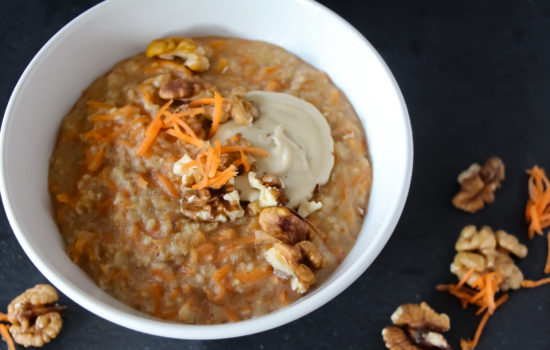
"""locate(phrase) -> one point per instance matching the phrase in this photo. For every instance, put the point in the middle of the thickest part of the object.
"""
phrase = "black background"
(475, 77)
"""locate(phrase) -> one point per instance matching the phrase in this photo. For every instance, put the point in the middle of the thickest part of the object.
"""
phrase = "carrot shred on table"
(483, 295)
(547, 265)
(533, 284)
(6, 336)
(218, 101)
(3, 317)
(537, 209)
(471, 344)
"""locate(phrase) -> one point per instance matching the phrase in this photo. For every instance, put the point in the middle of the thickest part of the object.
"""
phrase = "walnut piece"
(179, 88)
(195, 57)
(285, 260)
(206, 204)
(270, 191)
(243, 112)
(418, 327)
(285, 225)
(478, 185)
(307, 208)
(486, 251)
(310, 253)
(35, 317)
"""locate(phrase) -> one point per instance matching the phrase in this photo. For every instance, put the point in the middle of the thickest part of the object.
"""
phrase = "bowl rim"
(265, 322)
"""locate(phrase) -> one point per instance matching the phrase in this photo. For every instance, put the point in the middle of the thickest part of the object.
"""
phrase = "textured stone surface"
(476, 81)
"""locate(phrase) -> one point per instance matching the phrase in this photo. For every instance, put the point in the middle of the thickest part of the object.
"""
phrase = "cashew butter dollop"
(298, 140)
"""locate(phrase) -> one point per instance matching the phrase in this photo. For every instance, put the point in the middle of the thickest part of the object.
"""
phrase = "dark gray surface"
(476, 81)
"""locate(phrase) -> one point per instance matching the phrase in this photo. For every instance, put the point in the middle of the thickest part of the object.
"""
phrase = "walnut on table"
(417, 326)
(486, 251)
(478, 185)
(35, 317)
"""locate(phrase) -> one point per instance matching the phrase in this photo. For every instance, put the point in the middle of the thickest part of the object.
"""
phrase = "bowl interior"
(92, 43)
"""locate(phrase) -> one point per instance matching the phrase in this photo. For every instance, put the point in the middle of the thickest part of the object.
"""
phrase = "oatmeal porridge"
(210, 180)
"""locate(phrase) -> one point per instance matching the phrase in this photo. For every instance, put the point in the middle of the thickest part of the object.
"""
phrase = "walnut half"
(285, 260)
(35, 316)
(486, 251)
(417, 326)
(478, 185)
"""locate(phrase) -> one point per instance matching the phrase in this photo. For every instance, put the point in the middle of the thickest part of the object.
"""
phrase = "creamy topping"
(298, 140)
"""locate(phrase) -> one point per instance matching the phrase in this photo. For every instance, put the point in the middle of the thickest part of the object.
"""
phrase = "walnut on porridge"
(478, 185)
(416, 327)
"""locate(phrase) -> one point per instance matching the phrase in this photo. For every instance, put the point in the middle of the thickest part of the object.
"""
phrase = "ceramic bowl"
(90, 44)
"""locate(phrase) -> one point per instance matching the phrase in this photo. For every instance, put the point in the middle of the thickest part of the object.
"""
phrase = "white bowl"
(89, 45)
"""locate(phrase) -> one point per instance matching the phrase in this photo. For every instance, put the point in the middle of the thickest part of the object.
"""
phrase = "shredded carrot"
(273, 86)
(537, 210)
(3, 317)
(230, 314)
(157, 297)
(182, 123)
(94, 161)
(153, 130)
(218, 101)
(335, 97)
(217, 43)
(202, 101)
(102, 117)
(6, 336)
(245, 161)
(166, 184)
(222, 178)
(547, 266)
(216, 160)
(64, 198)
(254, 275)
(533, 284)
(271, 69)
(483, 296)
(465, 277)
(467, 344)
(176, 132)
(98, 105)
(229, 149)
(217, 277)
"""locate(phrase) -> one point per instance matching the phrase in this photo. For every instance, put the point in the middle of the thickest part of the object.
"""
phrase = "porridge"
(210, 180)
